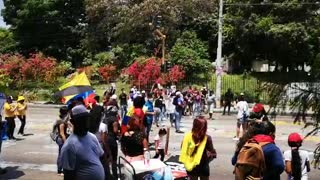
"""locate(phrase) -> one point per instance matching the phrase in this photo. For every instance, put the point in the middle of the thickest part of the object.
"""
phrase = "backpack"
(175, 101)
(251, 163)
(55, 131)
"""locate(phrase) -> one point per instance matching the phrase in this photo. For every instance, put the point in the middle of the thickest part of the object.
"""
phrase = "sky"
(2, 24)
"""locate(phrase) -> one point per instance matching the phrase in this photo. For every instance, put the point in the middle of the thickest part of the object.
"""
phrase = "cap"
(79, 110)
(178, 93)
(295, 137)
(21, 98)
(242, 94)
(113, 97)
(9, 98)
(143, 91)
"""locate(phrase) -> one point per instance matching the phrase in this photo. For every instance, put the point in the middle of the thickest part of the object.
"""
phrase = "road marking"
(42, 153)
(41, 167)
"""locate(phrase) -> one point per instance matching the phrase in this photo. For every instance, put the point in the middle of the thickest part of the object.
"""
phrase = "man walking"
(228, 98)
(123, 98)
(179, 103)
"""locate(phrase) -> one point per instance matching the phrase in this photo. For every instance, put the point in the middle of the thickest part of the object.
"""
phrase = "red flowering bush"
(145, 71)
(148, 71)
(37, 68)
(176, 74)
(108, 72)
(12, 65)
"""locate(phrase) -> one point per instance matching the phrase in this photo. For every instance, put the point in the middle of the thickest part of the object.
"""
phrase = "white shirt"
(304, 155)
(242, 107)
(102, 129)
(161, 141)
(169, 106)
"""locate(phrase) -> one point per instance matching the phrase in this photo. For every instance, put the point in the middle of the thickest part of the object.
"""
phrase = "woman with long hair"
(197, 150)
(297, 161)
(263, 132)
(134, 141)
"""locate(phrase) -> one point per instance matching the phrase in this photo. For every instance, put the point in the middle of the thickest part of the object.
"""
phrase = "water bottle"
(147, 158)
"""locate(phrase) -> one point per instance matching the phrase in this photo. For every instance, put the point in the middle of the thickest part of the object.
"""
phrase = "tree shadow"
(12, 173)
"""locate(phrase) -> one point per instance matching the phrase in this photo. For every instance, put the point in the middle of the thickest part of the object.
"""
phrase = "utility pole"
(219, 56)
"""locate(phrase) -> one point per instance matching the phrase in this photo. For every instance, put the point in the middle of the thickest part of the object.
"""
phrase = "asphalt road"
(34, 156)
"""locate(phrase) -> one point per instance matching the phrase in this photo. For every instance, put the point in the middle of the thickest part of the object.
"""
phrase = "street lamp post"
(219, 56)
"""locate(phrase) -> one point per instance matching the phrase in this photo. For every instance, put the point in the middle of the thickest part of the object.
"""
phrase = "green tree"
(192, 54)
(125, 24)
(283, 32)
(55, 27)
(7, 43)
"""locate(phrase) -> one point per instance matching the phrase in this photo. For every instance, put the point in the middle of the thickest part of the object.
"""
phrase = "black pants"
(23, 124)
(113, 145)
(161, 153)
(227, 104)
(11, 125)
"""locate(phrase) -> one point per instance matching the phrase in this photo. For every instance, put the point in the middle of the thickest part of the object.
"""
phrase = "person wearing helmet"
(21, 113)
(296, 160)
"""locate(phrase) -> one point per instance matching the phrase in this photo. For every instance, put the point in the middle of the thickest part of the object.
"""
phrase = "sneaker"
(235, 138)
(60, 174)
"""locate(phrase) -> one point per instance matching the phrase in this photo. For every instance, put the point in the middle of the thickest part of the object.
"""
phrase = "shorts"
(242, 122)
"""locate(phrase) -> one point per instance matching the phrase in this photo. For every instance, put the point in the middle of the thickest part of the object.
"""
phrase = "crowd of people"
(88, 134)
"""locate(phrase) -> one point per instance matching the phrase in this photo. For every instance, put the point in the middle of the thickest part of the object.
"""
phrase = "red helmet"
(295, 138)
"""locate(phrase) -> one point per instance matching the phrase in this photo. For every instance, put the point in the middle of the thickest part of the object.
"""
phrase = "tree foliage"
(192, 54)
(54, 27)
(282, 32)
(7, 43)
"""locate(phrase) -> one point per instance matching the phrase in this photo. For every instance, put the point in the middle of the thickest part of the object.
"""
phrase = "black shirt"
(228, 96)
(95, 118)
(132, 144)
(123, 99)
(158, 103)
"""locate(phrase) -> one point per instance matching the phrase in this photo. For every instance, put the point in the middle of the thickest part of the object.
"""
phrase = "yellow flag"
(78, 80)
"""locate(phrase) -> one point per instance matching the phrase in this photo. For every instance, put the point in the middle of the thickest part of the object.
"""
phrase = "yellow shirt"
(21, 109)
(9, 110)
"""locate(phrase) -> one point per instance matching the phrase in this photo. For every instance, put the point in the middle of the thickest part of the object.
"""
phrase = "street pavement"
(34, 156)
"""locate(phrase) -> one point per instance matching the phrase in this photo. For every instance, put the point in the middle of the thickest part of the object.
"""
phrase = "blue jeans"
(124, 110)
(178, 116)
(59, 162)
(197, 109)
(148, 129)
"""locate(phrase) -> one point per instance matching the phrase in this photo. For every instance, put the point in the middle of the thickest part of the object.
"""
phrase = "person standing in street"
(197, 151)
(296, 160)
(149, 115)
(2, 102)
(228, 98)
(9, 111)
(242, 117)
(211, 103)
(123, 98)
(179, 103)
(62, 126)
(81, 153)
(21, 113)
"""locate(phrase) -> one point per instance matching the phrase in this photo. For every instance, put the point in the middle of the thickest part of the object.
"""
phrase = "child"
(160, 143)
(297, 161)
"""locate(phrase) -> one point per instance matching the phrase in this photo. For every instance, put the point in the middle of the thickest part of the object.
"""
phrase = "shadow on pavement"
(12, 173)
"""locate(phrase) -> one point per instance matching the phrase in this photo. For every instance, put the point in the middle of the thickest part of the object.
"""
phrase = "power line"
(270, 4)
